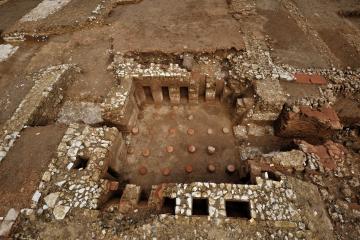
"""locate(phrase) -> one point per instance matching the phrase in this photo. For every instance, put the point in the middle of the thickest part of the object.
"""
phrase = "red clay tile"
(146, 152)
(309, 79)
(326, 114)
(190, 131)
(113, 186)
(231, 168)
(211, 168)
(166, 171)
(302, 78)
(142, 170)
(189, 168)
(317, 79)
(169, 149)
(191, 148)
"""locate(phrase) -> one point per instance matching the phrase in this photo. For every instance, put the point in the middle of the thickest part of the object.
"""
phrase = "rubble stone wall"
(39, 105)
(64, 185)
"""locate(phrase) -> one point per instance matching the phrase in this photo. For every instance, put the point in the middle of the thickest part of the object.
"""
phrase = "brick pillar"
(219, 87)
(174, 93)
(140, 95)
(130, 198)
(156, 198)
(193, 92)
(226, 94)
(198, 80)
(210, 89)
(157, 94)
(217, 208)
(183, 206)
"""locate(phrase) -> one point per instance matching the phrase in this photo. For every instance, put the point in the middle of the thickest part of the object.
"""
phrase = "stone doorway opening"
(148, 94)
(166, 95)
(200, 206)
(184, 95)
(238, 209)
(80, 163)
(168, 206)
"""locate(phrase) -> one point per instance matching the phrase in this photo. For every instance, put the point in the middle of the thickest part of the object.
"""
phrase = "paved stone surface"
(44, 9)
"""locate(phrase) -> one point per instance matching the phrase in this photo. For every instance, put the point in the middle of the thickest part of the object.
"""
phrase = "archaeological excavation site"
(180, 119)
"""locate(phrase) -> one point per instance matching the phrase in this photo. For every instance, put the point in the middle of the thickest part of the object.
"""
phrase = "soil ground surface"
(32, 153)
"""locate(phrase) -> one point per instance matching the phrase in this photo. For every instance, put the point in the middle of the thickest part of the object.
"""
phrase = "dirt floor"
(156, 126)
(175, 27)
(32, 154)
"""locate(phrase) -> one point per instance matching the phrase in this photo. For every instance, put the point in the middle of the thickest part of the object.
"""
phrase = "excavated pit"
(184, 116)
(167, 132)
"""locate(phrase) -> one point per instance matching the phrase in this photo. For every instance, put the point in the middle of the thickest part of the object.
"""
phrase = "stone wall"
(69, 183)
(40, 105)
(268, 200)
(204, 80)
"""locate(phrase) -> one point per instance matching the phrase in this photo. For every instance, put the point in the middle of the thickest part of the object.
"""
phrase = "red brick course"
(310, 79)
(329, 153)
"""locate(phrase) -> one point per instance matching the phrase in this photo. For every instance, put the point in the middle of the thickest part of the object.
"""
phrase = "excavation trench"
(179, 130)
